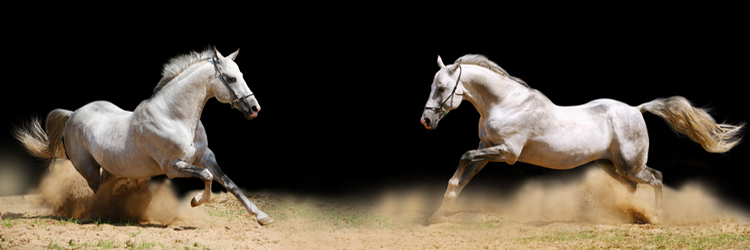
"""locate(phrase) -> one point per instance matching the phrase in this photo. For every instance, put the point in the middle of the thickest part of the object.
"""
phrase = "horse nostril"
(426, 121)
(255, 108)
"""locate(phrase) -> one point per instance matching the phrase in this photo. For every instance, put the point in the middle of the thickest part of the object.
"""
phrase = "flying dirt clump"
(66, 192)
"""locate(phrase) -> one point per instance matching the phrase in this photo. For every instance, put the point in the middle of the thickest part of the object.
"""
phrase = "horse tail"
(45, 145)
(695, 123)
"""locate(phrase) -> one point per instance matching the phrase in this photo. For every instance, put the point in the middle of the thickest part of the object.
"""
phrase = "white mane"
(177, 64)
(482, 61)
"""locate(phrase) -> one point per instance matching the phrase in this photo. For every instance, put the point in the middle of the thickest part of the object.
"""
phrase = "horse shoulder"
(517, 120)
(511, 128)
(164, 139)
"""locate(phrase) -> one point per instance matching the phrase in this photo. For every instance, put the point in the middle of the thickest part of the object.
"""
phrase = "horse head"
(445, 88)
(230, 87)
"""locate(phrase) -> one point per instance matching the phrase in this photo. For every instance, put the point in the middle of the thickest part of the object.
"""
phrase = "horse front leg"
(209, 161)
(182, 169)
(471, 163)
(462, 176)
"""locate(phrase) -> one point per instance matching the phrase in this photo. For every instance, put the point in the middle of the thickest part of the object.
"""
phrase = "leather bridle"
(226, 80)
(441, 110)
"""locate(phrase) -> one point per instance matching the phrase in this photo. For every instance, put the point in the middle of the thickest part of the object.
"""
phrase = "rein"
(224, 79)
(441, 110)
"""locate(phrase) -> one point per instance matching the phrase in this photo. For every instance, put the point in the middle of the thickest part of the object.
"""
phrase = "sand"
(592, 211)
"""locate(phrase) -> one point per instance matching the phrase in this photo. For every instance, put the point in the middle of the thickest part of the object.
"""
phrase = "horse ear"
(217, 54)
(234, 54)
(440, 62)
(456, 65)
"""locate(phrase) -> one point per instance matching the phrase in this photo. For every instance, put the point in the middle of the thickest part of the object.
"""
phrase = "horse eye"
(229, 78)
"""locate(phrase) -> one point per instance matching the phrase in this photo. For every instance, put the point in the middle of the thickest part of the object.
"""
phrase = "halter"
(440, 110)
(224, 79)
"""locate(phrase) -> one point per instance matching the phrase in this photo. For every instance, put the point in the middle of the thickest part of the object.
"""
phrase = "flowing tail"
(45, 145)
(696, 123)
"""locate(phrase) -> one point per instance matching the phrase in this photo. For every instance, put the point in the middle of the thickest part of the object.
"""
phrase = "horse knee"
(182, 169)
(656, 179)
(651, 177)
(206, 175)
(453, 182)
(657, 174)
(467, 157)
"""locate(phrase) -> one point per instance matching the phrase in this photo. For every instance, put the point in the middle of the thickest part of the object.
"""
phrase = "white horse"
(164, 135)
(518, 123)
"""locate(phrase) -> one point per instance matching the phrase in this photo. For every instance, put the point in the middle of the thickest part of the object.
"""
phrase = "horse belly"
(130, 164)
(567, 149)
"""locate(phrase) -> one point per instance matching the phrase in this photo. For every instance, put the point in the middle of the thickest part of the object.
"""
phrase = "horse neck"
(185, 96)
(487, 90)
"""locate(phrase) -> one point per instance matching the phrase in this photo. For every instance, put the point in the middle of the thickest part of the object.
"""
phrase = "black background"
(342, 94)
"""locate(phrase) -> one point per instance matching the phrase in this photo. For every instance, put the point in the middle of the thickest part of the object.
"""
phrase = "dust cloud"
(13, 180)
(593, 198)
(67, 194)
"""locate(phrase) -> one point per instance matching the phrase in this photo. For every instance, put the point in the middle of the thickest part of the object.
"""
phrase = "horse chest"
(496, 130)
(172, 140)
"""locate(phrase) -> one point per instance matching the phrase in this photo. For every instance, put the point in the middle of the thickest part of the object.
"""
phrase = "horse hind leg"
(89, 169)
(610, 169)
(653, 178)
(81, 158)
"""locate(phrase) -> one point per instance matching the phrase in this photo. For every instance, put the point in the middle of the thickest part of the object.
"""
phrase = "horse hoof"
(265, 220)
(437, 217)
(194, 201)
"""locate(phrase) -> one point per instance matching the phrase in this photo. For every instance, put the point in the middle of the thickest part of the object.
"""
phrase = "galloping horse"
(163, 135)
(518, 123)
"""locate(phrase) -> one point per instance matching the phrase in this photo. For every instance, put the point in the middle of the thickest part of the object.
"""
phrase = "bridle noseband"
(224, 79)
(441, 110)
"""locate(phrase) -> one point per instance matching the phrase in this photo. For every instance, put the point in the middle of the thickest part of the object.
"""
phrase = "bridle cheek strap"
(441, 110)
(223, 78)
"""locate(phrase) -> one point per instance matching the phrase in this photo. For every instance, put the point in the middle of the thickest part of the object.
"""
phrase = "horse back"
(98, 119)
(570, 136)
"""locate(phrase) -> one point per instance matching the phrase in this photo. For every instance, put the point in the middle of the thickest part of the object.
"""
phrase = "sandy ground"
(593, 212)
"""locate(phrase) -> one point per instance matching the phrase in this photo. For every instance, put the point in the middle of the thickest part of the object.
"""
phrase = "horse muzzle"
(249, 107)
(252, 113)
(430, 119)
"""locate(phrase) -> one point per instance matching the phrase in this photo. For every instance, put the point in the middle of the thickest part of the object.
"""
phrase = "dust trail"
(66, 192)
(593, 198)
(13, 180)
